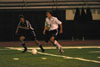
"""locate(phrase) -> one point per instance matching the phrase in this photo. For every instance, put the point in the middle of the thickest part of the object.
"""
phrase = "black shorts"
(49, 34)
(28, 34)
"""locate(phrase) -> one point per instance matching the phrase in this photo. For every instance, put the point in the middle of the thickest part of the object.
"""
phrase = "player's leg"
(33, 36)
(22, 38)
(59, 46)
(47, 37)
(40, 45)
(55, 43)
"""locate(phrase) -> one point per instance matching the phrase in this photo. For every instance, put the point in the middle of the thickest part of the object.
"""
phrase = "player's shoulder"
(27, 20)
(54, 17)
(46, 18)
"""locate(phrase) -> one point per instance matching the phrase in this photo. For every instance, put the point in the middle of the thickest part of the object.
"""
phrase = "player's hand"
(16, 31)
(43, 32)
(20, 27)
(61, 31)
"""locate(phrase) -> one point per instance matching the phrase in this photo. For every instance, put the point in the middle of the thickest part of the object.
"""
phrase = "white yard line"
(61, 56)
(94, 52)
(68, 47)
(68, 57)
(4, 49)
(98, 57)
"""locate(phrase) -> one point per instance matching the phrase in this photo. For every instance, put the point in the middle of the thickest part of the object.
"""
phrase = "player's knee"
(37, 42)
(22, 38)
(52, 39)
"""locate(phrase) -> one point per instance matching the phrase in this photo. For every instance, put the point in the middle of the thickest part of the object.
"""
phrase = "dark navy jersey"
(26, 24)
(25, 32)
(23, 24)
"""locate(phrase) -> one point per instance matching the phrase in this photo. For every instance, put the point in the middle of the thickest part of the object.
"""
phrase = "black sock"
(41, 48)
(25, 48)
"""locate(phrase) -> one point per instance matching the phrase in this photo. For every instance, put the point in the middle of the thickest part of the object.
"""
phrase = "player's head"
(49, 14)
(22, 18)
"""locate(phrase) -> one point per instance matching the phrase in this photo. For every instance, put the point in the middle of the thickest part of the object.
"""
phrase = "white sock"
(57, 44)
(23, 42)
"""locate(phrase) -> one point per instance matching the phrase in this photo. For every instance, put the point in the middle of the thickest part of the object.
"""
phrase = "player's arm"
(45, 28)
(60, 23)
(17, 28)
(26, 28)
(30, 26)
(61, 31)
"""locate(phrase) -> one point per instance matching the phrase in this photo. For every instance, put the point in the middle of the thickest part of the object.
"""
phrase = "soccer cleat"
(60, 50)
(25, 48)
(24, 51)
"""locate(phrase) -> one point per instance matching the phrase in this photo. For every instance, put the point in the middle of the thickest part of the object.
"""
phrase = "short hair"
(50, 11)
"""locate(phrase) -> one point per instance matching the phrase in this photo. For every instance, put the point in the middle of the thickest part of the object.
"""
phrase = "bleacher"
(48, 4)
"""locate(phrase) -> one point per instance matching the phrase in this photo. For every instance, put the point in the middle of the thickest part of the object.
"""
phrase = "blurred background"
(80, 18)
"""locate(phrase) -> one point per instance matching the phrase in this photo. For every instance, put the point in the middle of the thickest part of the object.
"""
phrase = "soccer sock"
(41, 48)
(25, 48)
(55, 43)
(59, 47)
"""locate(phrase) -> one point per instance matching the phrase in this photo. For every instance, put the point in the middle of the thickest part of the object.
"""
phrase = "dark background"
(82, 25)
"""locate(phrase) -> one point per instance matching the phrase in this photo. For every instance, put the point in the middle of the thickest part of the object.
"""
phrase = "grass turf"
(29, 60)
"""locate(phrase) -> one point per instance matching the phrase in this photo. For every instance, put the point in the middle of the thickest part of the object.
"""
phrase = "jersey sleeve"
(19, 24)
(46, 23)
(29, 25)
(58, 21)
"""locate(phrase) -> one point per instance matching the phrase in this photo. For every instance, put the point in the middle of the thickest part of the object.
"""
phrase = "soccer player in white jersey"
(24, 30)
(51, 30)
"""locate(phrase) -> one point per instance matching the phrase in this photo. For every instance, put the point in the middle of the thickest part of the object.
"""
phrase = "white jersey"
(52, 23)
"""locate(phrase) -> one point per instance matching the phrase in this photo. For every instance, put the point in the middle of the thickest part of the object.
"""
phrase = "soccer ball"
(34, 51)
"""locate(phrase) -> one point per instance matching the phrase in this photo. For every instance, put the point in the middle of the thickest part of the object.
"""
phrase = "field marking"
(43, 58)
(15, 58)
(94, 52)
(68, 57)
(98, 57)
(4, 49)
(68, 47)
(61, 56)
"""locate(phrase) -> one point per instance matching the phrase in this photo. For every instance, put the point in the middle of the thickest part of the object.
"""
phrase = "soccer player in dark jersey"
(24, 30)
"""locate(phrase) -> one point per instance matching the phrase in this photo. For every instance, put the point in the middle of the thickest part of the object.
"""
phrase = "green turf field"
(72, 57)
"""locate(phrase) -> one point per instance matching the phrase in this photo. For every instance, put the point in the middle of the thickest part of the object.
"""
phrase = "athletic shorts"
(28, 34)
(49, 34)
